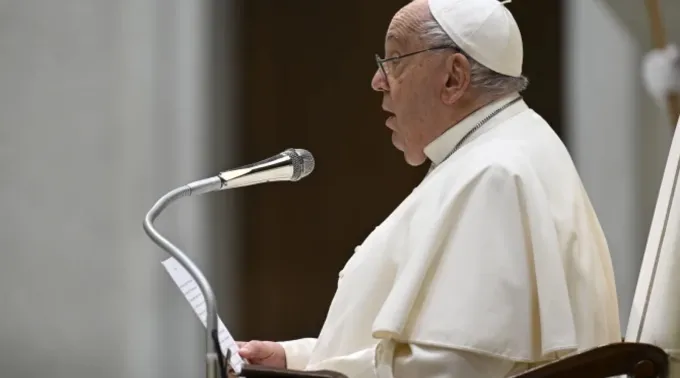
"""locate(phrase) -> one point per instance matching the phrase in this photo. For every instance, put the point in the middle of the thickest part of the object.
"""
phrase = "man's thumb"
(250, 350)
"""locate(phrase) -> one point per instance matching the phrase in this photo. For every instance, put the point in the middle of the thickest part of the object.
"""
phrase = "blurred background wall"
(618, 137)
(107, 105)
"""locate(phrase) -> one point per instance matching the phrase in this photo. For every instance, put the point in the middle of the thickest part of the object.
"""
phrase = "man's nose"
(378, 83)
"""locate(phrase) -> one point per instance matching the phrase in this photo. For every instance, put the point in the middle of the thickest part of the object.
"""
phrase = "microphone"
(290, 165)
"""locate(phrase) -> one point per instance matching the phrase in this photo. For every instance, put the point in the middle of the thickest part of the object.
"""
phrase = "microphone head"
(302, 160)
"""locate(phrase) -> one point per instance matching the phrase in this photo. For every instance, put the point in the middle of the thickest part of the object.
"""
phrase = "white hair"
(482, 78)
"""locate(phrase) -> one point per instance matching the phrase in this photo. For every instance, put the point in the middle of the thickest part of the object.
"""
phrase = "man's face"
(409, 93)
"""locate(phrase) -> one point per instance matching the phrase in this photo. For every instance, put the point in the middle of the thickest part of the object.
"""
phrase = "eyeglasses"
(381, 61)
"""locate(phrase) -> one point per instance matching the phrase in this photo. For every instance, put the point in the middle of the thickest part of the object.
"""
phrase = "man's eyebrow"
(392, 42)
(392, 37)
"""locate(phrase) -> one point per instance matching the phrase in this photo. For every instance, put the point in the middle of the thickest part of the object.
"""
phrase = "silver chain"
(472, 131)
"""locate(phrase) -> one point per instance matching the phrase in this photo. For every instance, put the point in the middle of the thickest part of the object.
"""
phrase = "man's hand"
(265, 353)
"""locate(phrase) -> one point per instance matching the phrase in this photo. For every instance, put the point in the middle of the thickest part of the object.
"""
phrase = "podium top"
(254, 371)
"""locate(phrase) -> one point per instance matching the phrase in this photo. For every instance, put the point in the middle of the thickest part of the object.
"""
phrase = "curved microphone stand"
(290, 165)
(198, 187)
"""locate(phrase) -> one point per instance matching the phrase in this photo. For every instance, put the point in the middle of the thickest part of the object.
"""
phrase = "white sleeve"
(411, 360)
(298, 352)
(428, 362)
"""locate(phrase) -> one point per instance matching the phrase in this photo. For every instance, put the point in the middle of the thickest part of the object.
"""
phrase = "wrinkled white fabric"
(408, 361)
(497, 254)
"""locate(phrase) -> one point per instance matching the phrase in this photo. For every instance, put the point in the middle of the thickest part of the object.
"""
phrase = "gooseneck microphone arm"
(290, 165)
(198, 187)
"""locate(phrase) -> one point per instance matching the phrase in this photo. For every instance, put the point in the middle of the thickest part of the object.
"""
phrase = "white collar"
(440, 148)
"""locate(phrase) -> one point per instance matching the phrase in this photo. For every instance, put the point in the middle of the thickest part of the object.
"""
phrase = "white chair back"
(655, 313)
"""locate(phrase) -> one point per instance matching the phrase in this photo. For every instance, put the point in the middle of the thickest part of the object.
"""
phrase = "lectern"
(253, 371)
(636, 360)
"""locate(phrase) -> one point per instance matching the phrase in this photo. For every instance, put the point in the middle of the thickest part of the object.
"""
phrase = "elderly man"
(496, 262)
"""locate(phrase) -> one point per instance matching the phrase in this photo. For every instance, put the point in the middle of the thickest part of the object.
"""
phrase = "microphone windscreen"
(302, 161)
(308, 163)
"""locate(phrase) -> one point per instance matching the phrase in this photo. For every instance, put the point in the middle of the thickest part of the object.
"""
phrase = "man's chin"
(414, 161)
(410, 159)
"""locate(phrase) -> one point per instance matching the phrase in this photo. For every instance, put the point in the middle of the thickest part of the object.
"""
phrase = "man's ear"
(457, 78)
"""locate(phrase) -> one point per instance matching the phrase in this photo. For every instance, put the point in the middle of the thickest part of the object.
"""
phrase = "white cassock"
(495, 263)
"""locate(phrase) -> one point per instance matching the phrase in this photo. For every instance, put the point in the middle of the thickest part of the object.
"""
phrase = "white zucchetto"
(483, 29)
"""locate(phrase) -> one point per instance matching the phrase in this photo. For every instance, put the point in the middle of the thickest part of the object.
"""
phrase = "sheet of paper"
(193, 294)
